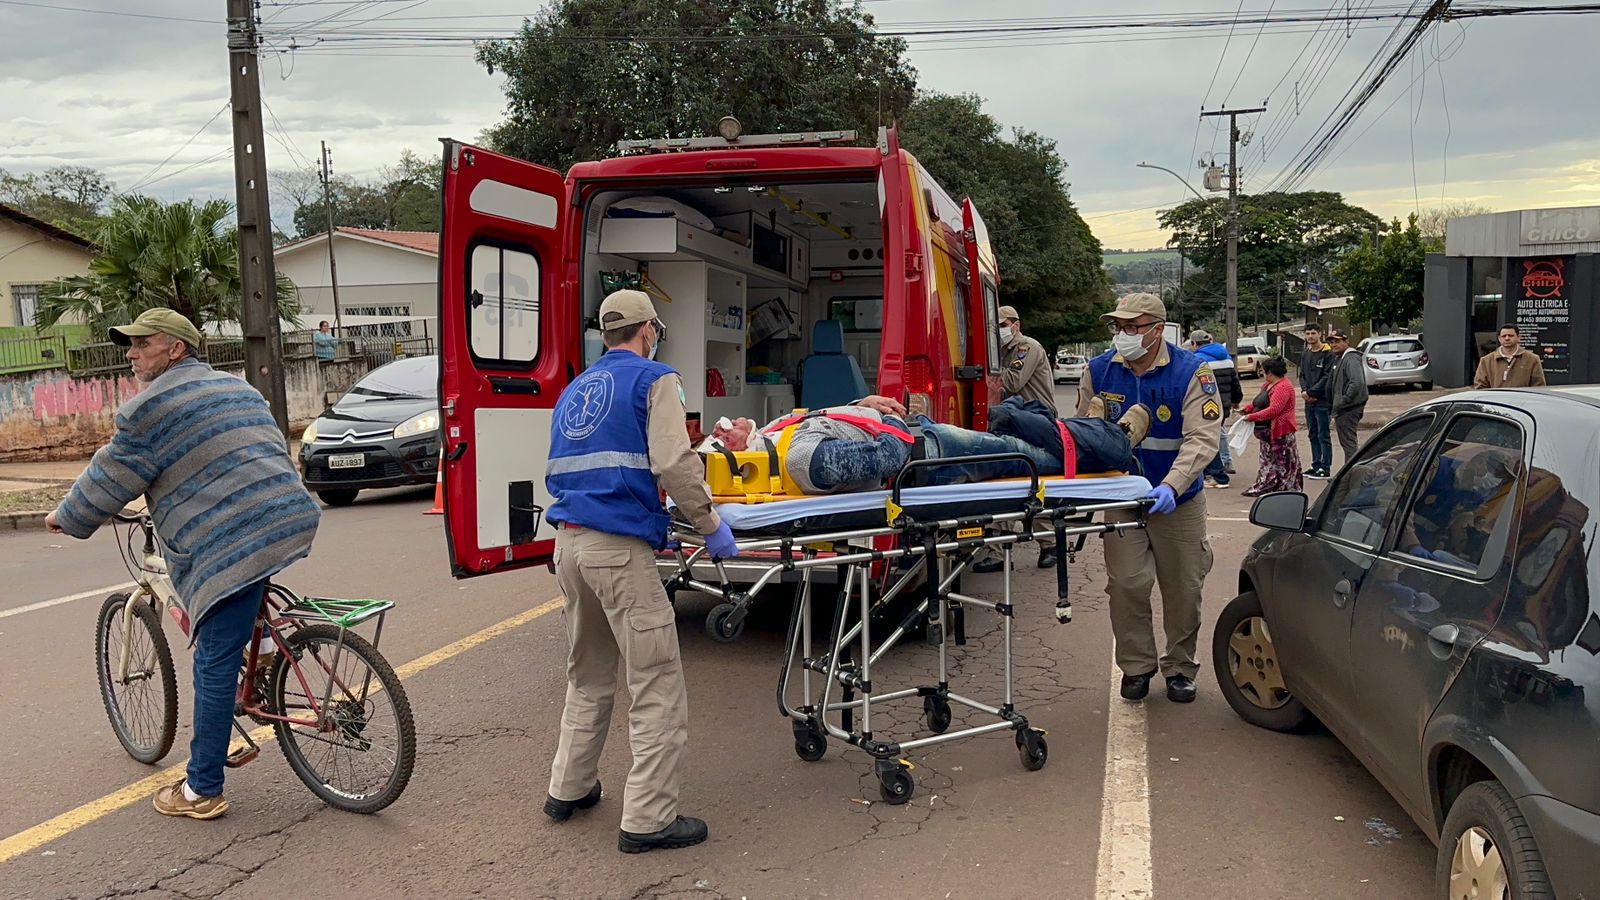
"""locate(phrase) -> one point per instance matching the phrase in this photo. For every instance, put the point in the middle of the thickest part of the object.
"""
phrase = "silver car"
(1395, 359)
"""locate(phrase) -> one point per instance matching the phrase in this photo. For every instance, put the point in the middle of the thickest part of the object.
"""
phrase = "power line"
(145, 180)
(107, 12)
(1251, 52)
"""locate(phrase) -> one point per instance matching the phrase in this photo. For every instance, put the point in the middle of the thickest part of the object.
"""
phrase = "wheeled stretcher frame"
(940, 549)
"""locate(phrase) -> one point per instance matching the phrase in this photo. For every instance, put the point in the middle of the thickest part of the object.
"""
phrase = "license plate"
(1396, 364)
(347, 461)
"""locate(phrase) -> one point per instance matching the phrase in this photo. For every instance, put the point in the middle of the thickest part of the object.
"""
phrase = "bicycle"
(318, 719)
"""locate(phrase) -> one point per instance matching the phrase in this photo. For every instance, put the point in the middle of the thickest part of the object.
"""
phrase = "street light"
(1145, 165)
(1202, 199)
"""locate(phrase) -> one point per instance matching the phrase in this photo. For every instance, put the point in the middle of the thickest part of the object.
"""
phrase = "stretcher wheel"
(936, 712)
(808, 745)
(1033, 749)
(718, 626)
(896, 785)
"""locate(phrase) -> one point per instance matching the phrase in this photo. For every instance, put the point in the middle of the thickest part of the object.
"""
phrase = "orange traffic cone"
(438, 489)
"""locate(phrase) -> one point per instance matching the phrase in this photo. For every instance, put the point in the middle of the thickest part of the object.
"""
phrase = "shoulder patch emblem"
(1208, 381)
(1211, 410)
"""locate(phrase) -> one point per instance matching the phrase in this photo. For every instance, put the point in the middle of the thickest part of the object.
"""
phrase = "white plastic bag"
(1239, 434)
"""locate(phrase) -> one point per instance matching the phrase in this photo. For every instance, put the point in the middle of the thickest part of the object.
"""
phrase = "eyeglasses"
(1124, 328)
(661, 329)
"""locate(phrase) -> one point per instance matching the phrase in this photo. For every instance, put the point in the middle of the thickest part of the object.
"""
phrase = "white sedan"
(1069, 368)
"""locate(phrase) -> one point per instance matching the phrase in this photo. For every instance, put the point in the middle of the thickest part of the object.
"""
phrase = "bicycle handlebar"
(135, 519)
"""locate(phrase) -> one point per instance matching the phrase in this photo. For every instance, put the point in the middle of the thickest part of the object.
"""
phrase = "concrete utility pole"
(1233, 217)
(327, 204)
(263, 345)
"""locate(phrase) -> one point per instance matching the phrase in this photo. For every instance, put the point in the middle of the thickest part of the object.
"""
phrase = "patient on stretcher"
(861, 446)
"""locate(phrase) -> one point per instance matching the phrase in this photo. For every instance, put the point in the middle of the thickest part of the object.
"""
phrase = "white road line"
(1226, 519)
(1124, 868)
(46, 604)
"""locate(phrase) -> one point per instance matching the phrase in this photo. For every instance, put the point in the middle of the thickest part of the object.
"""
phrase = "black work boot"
(1135, 687)
(1047, 557)
(562, 810)
(683, 832)
(1180, 689)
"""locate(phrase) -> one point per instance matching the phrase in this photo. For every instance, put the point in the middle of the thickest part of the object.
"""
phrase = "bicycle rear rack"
(343, 613)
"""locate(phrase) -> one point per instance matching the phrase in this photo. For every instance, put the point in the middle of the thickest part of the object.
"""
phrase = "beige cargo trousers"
(1174, 552)
(617, 610)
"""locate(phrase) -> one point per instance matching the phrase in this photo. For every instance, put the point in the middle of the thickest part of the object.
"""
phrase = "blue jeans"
(218, 656)
(945, 441)
(1317, 416)
(840, 464)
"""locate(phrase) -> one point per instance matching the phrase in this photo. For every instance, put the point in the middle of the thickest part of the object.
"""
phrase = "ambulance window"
(503, 305)
(991, 313)
(963, 299)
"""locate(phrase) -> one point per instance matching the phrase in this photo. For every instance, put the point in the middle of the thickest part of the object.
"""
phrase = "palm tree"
(184, 256)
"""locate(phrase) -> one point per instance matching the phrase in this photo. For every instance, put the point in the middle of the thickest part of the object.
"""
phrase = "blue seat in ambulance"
(828, 377)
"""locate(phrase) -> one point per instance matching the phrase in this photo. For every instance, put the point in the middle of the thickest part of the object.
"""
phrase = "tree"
(404, 197)
(1385, 282)
(1279, 235)
(69, 197)
(1433, 222)
(1050, 262)
(184, 256)
(584, 74)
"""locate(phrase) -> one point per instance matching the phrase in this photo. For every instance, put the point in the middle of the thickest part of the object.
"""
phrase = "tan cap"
(624, 308)
(158, 320)
(1009, 312)
(1135, 305)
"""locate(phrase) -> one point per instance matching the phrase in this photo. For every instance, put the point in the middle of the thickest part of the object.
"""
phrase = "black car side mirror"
(1284, 511)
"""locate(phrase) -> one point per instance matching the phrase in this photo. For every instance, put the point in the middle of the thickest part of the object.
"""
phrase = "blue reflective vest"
(1158, 389)
(599, 469)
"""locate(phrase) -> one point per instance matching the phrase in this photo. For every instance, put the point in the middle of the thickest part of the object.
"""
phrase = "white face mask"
(655, 345)
(1006, 334)
(1131, 346)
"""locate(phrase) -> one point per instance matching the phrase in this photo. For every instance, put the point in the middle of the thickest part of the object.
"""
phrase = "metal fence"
(26, 354)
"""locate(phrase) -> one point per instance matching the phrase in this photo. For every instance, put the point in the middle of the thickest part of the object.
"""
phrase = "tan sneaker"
(170, 801)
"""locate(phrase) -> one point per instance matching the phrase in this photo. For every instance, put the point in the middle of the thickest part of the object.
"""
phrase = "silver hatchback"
(1396, 359)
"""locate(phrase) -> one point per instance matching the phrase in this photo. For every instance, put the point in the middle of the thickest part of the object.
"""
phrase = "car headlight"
(310, 435)
(421, 423)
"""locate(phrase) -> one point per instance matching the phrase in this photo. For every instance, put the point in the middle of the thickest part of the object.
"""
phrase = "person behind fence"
(227, 502)
(864, 445)
(1174, 549)
(324, 344)
(1272, 413)
(617, 437)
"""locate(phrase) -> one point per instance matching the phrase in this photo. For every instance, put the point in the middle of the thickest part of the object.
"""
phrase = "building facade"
(1535, 268)
(33, 254)
(381, 273)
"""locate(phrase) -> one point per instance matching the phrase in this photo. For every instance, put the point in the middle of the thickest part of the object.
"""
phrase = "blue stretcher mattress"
(866, 508)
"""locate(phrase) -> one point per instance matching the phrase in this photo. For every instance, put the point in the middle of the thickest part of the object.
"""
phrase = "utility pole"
(1233, 217)
(263, 345)
(327, 204)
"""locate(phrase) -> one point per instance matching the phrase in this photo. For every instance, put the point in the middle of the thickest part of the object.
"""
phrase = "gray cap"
(1199, 336)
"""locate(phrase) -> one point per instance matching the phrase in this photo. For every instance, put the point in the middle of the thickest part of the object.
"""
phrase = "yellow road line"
(70, 821)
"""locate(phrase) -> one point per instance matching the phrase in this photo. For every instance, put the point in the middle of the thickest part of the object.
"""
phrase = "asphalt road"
(1200, 804)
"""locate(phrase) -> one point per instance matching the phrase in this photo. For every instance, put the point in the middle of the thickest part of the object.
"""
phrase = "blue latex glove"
(1420, 552)
(1165, 500)
(720, 542)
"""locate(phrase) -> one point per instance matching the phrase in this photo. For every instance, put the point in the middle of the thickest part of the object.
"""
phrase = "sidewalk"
(29, 490)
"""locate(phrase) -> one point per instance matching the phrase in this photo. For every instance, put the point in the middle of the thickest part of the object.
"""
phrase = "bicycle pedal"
(242, 756)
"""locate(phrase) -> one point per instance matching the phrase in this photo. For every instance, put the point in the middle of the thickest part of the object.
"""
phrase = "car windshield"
(1396, 347)
(403, 379)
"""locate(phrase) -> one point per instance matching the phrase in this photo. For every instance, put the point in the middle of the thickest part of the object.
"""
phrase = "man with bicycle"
(227, 503)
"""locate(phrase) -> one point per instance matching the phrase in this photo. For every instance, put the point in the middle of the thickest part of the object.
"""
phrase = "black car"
(384, 432)
(1439, 610)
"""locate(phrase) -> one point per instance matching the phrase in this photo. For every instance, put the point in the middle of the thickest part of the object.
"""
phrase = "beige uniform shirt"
(676, 466)
(1025, 371)
(1202, 417)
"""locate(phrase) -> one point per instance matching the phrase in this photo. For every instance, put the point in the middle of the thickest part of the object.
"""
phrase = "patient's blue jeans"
(839, 464)
(946, 441)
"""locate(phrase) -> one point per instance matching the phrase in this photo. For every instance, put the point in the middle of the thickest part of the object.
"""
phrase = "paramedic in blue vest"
(618, 436)
(1181, 395)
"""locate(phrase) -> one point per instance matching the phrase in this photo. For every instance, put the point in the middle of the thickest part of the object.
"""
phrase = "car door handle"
(1445, 634)
(1342, 588)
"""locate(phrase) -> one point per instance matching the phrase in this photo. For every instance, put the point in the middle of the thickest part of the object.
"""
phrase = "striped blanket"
(224, 495)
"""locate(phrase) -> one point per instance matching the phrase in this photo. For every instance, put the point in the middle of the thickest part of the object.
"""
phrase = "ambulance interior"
(772, 295)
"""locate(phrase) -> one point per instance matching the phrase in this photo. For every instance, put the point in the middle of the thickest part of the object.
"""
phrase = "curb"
(23, 521)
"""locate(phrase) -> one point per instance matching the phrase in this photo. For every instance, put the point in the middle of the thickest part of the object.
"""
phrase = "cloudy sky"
(1499, 112)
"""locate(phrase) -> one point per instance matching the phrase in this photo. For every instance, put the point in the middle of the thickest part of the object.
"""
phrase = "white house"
(34, 253)
(381, 273)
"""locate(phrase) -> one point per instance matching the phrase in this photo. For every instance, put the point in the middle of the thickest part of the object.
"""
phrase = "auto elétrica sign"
(1544, 312)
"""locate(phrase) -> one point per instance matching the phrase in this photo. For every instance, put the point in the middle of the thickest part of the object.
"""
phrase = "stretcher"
(905, 542)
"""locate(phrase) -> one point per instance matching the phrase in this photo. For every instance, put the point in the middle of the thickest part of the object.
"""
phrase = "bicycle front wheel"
(359, 756)
(141, 697)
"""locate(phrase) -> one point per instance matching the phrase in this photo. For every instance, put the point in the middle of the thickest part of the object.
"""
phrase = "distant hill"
(1141, 266)
(1128, 257)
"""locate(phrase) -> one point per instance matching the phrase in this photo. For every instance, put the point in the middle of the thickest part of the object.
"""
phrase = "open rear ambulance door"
(983, 298)
(508, 339)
